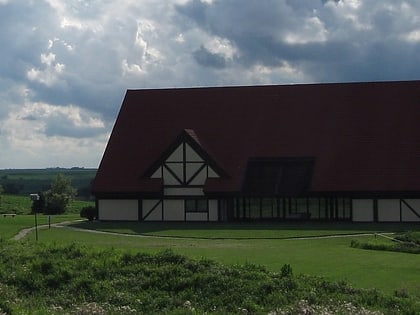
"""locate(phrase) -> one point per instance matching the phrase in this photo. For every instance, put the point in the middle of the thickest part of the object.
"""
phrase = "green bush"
(404, 247)
(89, 212)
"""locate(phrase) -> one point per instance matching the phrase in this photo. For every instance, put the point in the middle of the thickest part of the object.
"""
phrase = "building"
(347, 151)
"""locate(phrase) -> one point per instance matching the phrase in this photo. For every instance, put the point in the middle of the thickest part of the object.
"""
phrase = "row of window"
(196, 205)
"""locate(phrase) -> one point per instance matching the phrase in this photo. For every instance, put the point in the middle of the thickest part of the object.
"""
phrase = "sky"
(65, 65)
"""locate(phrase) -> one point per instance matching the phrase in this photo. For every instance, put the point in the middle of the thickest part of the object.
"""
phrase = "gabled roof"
(188, 136)
(363, 137)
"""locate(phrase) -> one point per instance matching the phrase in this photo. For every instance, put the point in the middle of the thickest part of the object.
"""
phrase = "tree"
(58, 197)
(1, 191)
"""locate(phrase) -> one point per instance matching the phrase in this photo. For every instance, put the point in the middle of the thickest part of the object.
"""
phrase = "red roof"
(364, 137)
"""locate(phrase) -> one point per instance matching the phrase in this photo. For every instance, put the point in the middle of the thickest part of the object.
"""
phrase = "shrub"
(89, 212)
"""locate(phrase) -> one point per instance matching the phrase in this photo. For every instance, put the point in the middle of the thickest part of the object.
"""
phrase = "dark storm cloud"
(66, 64)
(207, 59)
(363, 43)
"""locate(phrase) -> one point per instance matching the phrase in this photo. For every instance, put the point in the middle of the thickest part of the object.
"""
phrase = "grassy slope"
(67, 279)
(331, 258)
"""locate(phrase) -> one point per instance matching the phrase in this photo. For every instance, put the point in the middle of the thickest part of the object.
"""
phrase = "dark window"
(280, 176)
(196, 205)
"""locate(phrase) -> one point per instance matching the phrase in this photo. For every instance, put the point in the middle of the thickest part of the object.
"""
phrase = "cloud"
(205, 58)
(326, 40)
(66, 65)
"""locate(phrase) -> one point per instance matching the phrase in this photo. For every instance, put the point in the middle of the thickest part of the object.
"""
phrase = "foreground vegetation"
(408, 242)
(72, 279)
(331, 258)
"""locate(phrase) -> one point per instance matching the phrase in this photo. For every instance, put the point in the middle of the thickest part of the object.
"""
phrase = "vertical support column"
(375, 210)
(140, 209)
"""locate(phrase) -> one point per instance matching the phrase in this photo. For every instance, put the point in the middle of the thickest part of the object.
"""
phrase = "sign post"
(35, 198)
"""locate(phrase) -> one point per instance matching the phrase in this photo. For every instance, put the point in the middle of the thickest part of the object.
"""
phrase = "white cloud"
(312, 31)
(51, 72)
(66, 66)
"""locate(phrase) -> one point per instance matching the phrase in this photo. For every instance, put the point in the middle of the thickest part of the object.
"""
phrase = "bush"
(89, 212)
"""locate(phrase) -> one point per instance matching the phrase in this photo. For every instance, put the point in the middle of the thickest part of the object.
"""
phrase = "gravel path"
(24, 232)
(65, 224)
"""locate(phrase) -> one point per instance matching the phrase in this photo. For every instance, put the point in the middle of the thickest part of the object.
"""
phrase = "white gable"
(184, 167)
(191, 155)
(177, 155)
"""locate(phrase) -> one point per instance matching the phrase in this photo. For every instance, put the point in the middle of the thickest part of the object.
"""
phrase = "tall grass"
(72, 279)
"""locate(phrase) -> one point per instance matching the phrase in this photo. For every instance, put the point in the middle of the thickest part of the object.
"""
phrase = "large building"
(346, 151)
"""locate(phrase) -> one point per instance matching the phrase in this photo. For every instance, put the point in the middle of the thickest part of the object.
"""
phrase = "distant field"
(21, 204)
(26, 181)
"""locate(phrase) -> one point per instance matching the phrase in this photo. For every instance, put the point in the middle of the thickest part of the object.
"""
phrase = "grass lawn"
(10, 226)
(332, 258)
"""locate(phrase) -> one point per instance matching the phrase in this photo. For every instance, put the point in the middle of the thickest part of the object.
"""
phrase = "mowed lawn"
(269, 245)
(10, 226)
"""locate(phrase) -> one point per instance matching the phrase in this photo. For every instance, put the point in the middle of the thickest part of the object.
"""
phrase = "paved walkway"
(24, 232)
(65, 224)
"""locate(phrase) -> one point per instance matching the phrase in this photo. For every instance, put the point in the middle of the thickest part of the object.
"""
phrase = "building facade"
(335, 152)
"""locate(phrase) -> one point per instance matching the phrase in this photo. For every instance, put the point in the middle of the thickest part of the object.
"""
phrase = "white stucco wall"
(187, 191)
(173, 210)
(388, 210)
(406, 214)
(362, 210)
(156, 213)
(116, 209)
(213, 210)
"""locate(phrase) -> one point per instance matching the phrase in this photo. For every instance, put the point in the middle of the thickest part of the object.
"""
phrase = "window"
(278, 176)
(196, 205)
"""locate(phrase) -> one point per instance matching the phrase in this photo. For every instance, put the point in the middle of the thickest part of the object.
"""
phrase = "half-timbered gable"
(183, 170)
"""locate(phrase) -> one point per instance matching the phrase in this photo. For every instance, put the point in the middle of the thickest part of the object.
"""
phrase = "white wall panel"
(362, 210)
(116, 209)
(191, 155)
(388, 210)
(177, 155)
(173, 210)
(168, 178)
(407, 214)
(156, 213)
(213, 210)
(200, 179)
(193, 191)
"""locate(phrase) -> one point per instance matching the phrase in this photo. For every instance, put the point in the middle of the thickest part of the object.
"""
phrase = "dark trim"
(195, 174)
(183, 186)
(180, 181)
(140, 209)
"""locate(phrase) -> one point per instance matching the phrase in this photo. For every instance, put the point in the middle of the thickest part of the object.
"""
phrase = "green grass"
(332, 258)
(15, 204)
(10, 226)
